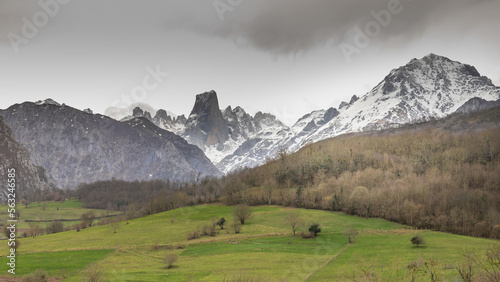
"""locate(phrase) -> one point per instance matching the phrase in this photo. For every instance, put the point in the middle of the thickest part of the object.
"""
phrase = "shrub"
(221, 222)
(315, 229)
(54, 227)
(204, 230)
(415, 268)
(242, 213)
(211, 228)
(38, 275)
(236, 227)
(417, 240)
(169, 260)
(94, 273)
(309, 235)
(193, 235)
(88, 218)
(351, 234)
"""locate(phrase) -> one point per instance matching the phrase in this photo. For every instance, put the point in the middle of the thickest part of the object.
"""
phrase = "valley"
(342, 195)
(264, 250)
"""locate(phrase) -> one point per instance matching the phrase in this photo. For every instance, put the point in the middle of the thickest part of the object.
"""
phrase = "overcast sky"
(286, 57)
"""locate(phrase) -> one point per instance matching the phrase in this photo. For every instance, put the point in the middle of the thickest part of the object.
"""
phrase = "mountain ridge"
(76, 147)
(431, 87)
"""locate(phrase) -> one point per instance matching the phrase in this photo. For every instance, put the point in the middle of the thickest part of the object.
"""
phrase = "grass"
(57, 264)
(51, 211)
(390, 253)
(263, 251)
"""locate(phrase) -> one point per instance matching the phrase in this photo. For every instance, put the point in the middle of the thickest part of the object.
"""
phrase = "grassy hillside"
(265, 250)
(440, 175)
(69, 211)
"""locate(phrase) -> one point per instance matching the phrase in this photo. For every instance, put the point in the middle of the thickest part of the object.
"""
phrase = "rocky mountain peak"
(206, 124)
(477, 104)
(330, 114)
(431, 87)
(162, 114)
(138, 112)
(205, 103)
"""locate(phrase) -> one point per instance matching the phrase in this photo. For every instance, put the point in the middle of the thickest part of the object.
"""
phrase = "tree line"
(433, 178)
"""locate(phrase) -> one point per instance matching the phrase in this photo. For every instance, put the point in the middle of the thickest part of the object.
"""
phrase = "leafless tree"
(242, 213)
(294, 220)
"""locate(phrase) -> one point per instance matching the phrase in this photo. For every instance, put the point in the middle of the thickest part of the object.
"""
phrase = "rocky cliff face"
(29, 178)
(77, 147)
(206, 125)
(477, 104)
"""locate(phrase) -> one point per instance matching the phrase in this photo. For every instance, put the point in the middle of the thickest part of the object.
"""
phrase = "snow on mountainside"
(218, 133)
(431, 87)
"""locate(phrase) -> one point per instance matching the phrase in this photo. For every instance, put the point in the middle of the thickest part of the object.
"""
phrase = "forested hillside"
(441, 175)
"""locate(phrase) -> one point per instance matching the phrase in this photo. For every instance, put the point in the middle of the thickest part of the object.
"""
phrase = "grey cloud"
(293, 26)
(274, 26)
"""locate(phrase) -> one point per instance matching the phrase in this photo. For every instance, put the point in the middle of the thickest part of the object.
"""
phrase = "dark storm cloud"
(274, 26)
(292, 26)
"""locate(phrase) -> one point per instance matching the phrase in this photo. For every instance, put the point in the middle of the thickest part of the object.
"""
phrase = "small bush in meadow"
(169, 260)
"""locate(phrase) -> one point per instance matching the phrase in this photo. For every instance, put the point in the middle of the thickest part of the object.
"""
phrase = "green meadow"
(264, 250)
(52, 211)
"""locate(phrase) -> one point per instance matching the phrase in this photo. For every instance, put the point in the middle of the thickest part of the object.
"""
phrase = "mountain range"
(427, 88)
(76, 146)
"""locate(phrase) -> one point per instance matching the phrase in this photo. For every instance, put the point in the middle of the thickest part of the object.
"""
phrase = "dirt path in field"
(328, 261)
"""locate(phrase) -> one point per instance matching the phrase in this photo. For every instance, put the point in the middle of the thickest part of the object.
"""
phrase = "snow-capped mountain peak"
(431, 87)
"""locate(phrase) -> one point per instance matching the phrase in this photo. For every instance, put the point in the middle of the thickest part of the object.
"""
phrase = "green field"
(265, 250)
(51, 211)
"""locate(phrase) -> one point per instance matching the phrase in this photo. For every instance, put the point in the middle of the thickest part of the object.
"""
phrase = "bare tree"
(467, 269)
(351, 234)
(433, 267)
(115, 224)
(54, 227)
(242, 213)
(88, 218)
(94, 273)
(415, 268)
(35, 229)
(492, 265)
(169, 260)
(363, 271)
(237, 227)
(294, 220)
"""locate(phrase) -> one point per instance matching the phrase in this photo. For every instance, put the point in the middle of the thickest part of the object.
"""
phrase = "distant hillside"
(441, 174)
(29, 178)
(79, 147)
